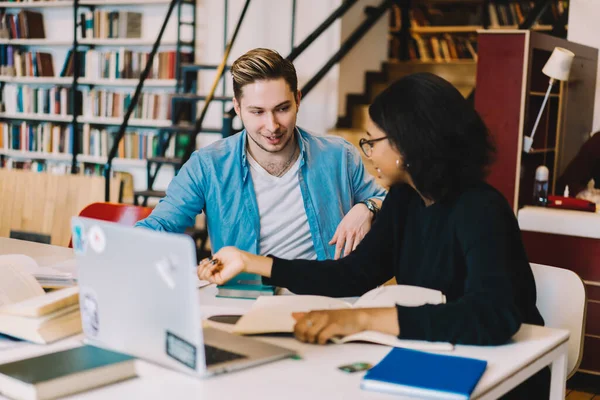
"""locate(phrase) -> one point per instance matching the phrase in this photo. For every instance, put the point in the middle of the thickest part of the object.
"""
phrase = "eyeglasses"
(367, 145)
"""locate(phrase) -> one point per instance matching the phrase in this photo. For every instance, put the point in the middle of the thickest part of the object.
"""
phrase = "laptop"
(138, 295)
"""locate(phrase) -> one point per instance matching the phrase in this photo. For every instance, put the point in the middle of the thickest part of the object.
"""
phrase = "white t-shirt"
(284, 229)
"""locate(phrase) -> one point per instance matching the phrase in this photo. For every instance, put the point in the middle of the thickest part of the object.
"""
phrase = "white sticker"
(88, 303)
(166, 270)
(97, 239)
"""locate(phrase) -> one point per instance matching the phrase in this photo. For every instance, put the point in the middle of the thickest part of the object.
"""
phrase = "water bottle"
(540, 186)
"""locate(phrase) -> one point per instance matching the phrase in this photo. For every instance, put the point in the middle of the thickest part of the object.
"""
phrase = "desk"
(316, 375)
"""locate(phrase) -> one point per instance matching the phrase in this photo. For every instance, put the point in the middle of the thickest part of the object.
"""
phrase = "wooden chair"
(124, 214)
(561, 300)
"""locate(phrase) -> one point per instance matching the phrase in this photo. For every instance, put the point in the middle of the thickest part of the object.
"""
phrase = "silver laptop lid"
(137, 292)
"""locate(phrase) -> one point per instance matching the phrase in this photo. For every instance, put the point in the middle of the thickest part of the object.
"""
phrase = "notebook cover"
(436, 372)
(246, 282)
(55, 365)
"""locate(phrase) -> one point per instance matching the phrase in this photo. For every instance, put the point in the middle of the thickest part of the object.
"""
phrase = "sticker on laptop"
(90, 320)
(181, 350)
(97, 239)
(79, 240)
(166, 268)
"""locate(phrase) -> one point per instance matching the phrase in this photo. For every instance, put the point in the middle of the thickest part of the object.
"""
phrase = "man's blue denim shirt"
(216, 179)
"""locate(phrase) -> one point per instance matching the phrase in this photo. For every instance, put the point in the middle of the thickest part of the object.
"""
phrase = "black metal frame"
(138, 90)
(211, 94)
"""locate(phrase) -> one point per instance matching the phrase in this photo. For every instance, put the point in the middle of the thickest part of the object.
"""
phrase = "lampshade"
(558, 65)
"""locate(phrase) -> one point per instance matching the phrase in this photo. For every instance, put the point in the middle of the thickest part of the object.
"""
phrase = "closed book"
(424, 375)
(65, 372)
(245, 286)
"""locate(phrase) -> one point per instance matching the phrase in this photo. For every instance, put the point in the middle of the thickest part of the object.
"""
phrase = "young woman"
(441, 227)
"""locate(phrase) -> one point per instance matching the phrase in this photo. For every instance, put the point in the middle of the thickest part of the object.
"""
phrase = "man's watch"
(372, 206)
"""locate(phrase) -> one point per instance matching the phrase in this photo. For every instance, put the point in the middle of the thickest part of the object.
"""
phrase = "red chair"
(124, 214)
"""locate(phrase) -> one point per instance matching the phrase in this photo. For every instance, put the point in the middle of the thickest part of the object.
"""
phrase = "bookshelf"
(98, 32)
(510, 91)
(446, 31)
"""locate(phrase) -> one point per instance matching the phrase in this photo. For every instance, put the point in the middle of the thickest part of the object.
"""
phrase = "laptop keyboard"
(214, 355)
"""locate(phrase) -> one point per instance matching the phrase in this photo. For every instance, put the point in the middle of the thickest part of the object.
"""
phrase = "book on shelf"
(273, 314)
(103, 24)
(442, 48)
(134, 145)
(14, 62)
(53, 101)
(424, 375)
(65, 372)
(114, 104)
(27, 24)
(123, 64)
(28, 313)
(41, 137)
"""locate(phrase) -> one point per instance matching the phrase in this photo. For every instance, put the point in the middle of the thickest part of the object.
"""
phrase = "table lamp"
(558, 68)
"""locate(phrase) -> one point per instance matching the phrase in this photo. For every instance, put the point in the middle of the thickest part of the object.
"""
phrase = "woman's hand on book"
(230, 261)
(321, 326)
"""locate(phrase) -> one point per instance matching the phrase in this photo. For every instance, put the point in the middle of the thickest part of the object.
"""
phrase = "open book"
(27, 312)
(274, 314)
(63, 274)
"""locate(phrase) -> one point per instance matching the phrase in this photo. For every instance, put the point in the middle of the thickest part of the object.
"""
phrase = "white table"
(316, 375)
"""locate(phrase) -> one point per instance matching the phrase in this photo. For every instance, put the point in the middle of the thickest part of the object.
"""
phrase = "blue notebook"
(425, 375)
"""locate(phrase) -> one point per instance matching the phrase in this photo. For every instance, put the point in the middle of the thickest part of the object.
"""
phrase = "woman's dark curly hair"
(444, 142)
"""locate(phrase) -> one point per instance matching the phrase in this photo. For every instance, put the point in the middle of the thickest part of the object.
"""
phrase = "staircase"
(461, 74)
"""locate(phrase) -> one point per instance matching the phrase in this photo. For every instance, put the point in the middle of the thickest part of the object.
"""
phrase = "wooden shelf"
(36, 155)
(124, 42)
(128, 82)
(68, 81)
(37, 117)
(36, 42)
(419, 62)
(467, 28)
(541, 151)
(87, 3)
(133, 122)
(37, 4)
(542, 94)
(35, 80)
(117, 162)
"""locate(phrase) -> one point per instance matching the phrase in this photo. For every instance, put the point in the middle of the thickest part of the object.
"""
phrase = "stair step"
(187, 128)
(164, 160)
(360, 115)
(150, 193)
(197, 97)
(199, 67)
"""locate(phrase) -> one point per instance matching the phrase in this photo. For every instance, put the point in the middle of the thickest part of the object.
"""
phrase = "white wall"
(268, 24)
(584, 29)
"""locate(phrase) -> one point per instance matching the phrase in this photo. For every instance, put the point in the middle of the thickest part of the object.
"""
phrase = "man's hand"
(352, 230)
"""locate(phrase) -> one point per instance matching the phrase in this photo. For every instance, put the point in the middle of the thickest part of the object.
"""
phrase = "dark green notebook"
(245, 286)
(50, 375)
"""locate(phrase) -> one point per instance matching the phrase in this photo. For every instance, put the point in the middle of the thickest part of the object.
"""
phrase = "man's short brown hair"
(262, 64)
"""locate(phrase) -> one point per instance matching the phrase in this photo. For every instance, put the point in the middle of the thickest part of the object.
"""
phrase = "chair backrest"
(562, 301)
(124, 214)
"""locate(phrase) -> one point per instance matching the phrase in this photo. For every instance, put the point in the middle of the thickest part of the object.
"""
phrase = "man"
(273, 188)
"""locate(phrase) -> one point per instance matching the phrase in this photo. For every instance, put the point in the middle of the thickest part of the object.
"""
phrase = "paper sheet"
(16, 283)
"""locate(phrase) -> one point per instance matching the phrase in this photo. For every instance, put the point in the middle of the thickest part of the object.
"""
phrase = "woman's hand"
(320, 326)
(229, 261)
